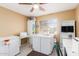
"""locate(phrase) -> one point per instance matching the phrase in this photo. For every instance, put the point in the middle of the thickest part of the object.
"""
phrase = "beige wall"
(11, 22)
(66, 15)
(77, 20)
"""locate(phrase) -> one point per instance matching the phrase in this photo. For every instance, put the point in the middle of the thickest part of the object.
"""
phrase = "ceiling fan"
(35, 6)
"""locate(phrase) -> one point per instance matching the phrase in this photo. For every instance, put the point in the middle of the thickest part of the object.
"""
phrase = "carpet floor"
(34, 53)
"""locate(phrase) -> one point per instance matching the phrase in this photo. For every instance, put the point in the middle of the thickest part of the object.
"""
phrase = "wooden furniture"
(24, 40)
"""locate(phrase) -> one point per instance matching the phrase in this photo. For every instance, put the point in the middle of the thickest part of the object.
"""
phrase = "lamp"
(6, 41)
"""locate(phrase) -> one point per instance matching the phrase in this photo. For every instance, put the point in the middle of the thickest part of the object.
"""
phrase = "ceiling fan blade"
(31, 3)
(42, 3)
(32, 9)
(25, 3)
(41, 8)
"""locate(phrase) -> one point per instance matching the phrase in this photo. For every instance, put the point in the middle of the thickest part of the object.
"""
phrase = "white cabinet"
(42, 44)
(72, 47)
(36, 44)
(67, 30)
(4, 50)
(75, 48)
(46, 46)
(67, 43)
(12, 49)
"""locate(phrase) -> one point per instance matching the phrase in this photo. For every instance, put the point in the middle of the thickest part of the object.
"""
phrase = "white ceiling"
(50, 8)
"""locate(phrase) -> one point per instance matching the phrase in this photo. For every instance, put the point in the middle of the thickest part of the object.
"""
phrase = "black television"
(67, 29)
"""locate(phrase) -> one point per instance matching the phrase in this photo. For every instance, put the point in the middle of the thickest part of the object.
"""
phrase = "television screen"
(67, 29)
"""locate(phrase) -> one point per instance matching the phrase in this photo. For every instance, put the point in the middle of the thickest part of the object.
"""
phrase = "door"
(29, 23)
(31, 28)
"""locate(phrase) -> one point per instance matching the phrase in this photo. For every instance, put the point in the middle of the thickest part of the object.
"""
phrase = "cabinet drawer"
(4, 50)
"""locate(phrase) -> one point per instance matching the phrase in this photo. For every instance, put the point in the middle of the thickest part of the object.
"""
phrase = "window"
(48, 26)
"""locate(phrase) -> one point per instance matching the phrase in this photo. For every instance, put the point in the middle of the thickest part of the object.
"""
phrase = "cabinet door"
(3, 49)
(14, 47)
(36, 43)
(46, 45)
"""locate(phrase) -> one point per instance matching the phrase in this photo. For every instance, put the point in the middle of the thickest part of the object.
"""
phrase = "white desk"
(21, 37)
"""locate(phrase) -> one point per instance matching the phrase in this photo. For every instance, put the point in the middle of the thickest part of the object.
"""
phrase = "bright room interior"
(39, 29)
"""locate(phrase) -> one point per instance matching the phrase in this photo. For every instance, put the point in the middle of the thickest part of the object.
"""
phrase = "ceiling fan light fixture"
(35, 6)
